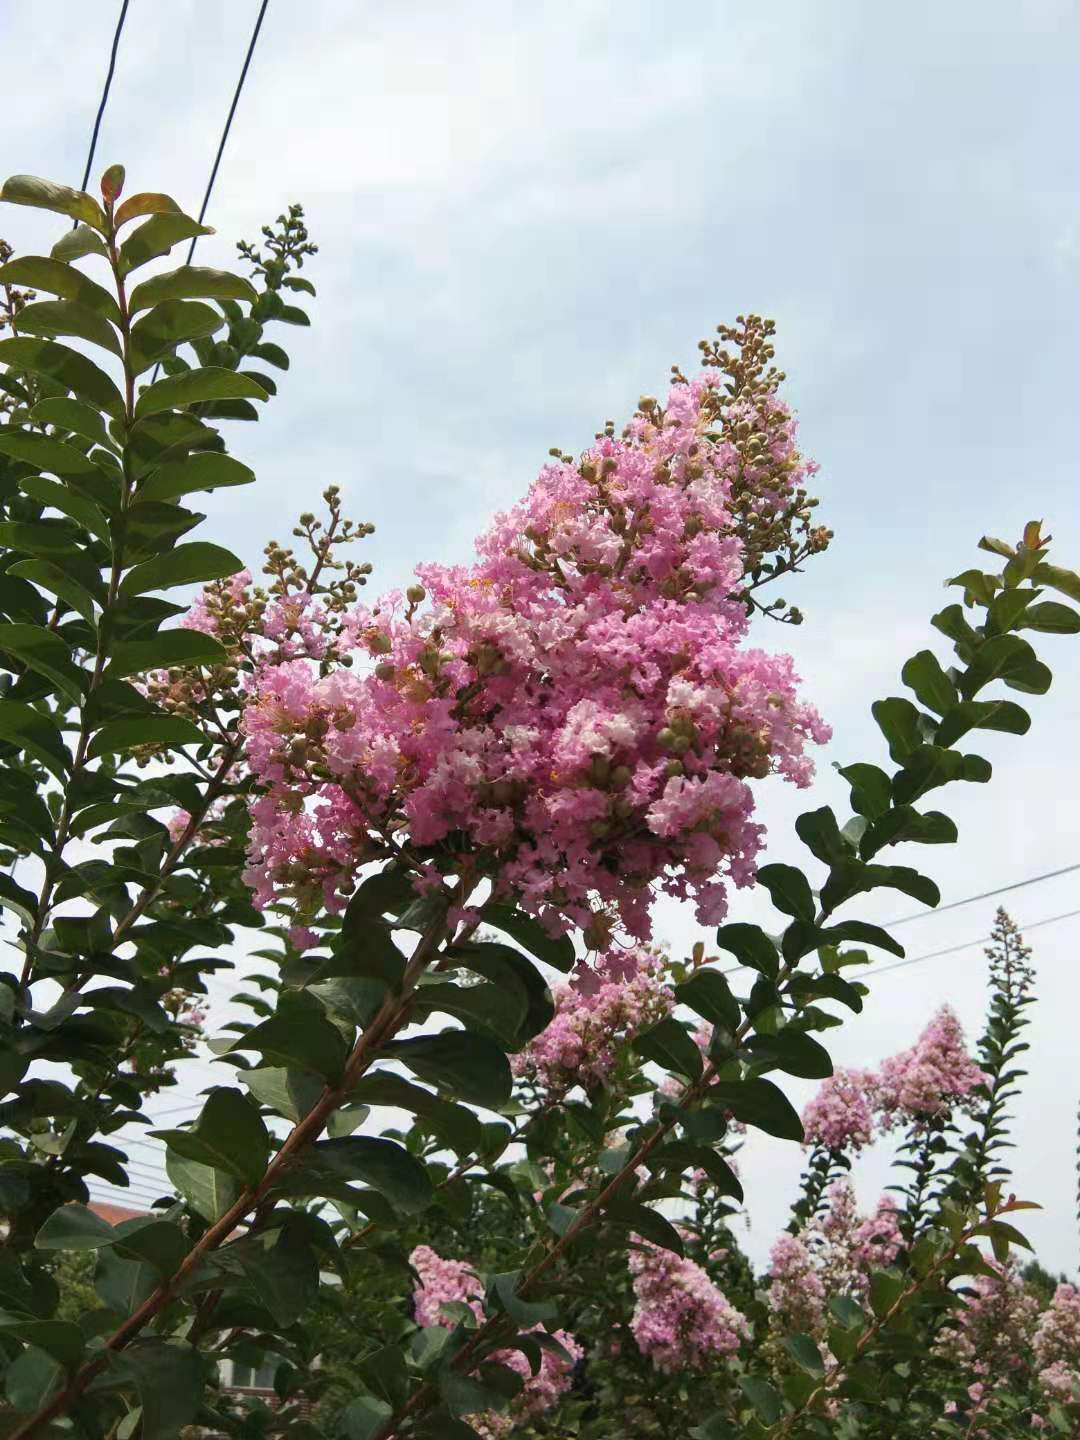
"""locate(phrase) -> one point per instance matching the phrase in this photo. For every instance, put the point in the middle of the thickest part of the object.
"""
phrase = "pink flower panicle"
(1057, 1344)
(935, 1075)
(796, 1290)
(444, 1282)
(841, 1114)
(594, 1021)
(578, 703)
(681, 1319)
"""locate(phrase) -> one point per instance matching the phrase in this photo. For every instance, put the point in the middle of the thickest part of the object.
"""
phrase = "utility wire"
(986, 895)
(967, 945)
(228, 123)
(104, 98)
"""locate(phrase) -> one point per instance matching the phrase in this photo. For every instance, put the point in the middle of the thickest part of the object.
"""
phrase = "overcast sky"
(526, 213)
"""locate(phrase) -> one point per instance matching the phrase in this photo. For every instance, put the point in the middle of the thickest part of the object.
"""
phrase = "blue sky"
(526, 213)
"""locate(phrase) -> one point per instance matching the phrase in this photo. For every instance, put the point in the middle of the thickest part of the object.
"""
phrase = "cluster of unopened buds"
(578, 707)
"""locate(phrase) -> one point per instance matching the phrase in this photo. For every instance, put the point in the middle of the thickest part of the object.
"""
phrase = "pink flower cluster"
(841, 1114)
(796, 1290)
(995, 1329)
(1057, 1344)
(594, 1021)
(578, 703)
(932, 1077)
(444, 1282)
(681, 1320)
(834, 1255)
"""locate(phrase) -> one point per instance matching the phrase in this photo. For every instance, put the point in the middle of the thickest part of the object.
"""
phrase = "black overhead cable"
(228, 123)
(967, 945)
(104, 98)
(986, 895)
(224, 138)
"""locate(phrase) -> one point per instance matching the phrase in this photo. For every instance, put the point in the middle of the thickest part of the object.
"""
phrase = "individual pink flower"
(932, 1077)
(681, 1320)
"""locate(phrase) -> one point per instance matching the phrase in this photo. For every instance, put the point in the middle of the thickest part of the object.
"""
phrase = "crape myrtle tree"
(428, 805)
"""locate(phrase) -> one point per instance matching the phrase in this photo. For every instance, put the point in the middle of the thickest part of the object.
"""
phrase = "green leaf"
(19, 901)
(145, 204)
(189, 282)
(886, 1287)
(805, 1353)
(229, 1135)
(900, 723)
(157, 237)
(30, 730)
(290, 1093)
(210, 1192)
(517, 976)
(1050, 617)
(554, 950)
(497, 1008)
(820, 833)
(1066, 582)
(862, 933)
(45, 453)
(363, 1417)
(668, 1045)
(43, 651)
(122, 735)
(59, 583)
(74, 1227)
(471, 1066)
(168, 325)
(58, 1338)
(525, 1313)
(708, 994)
(789, 889)
(298, 1036)
(72, 415)
(453, 1124)
(382, 1164)
(978, 587)
(169, 1378)
(68, 501)
(272, 354)
(194, 387)
(170, 648)
(649, 1224)
(74, 244)
(197, 472)
(759, 1103)
(792, 1051)
(67, 367)
(32, 1378)
(158, 1243)
(932, 687)
(751, 947)
(903, 824)
(42, 273)
(185, 565)
(1004, 657)
(871, 789)
(67, 317)
(765, 1400)
(1001, 715)
(45, 195)
(20, 600)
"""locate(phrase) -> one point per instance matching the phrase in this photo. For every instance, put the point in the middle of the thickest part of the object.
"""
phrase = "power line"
(967, 945)
(986, 895)
(228, 123)
(104, 97)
